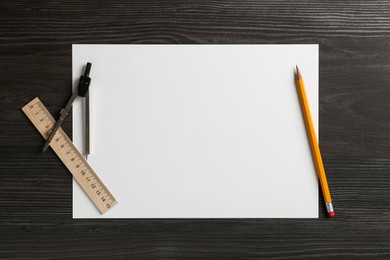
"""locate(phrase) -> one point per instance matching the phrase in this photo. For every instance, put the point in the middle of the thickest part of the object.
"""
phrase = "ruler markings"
(70, 156)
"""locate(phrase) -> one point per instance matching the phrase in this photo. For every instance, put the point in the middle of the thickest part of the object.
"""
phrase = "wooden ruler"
(70, 156)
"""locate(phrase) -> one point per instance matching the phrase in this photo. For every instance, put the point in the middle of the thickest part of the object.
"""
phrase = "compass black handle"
(84, 81)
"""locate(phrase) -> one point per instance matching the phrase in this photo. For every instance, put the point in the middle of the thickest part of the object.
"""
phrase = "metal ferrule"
(329, 206)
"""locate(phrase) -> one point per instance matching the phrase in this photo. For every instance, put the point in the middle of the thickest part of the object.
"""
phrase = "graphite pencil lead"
(298, 72)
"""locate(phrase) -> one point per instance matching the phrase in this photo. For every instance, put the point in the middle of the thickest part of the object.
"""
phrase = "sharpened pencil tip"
(298, 72)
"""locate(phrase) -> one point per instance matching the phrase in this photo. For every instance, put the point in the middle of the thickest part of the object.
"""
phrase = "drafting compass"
(65, 149)
(82, 91)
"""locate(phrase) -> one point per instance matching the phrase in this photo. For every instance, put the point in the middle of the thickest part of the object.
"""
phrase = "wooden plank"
(36, 191)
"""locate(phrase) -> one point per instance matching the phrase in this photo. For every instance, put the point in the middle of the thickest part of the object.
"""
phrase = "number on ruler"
(64, 148)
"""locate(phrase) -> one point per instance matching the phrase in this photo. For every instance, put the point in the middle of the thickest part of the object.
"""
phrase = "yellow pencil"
(315, 149)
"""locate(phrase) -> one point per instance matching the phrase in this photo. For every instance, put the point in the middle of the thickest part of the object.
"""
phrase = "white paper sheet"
(199, 131)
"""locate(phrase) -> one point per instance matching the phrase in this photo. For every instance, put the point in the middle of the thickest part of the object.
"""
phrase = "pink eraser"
(331, 214)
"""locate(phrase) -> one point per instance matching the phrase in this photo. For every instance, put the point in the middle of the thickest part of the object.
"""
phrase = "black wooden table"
(36, 190)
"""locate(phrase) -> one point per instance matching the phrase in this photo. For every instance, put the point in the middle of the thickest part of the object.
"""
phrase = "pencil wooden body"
(313, 139)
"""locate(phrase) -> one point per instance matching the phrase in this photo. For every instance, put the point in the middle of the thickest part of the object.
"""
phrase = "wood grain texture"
(35, 189)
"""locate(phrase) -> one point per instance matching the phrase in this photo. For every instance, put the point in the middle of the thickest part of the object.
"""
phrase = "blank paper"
(199, 131)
